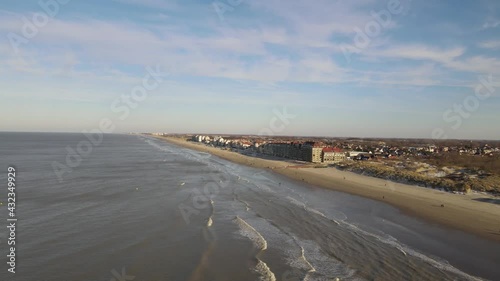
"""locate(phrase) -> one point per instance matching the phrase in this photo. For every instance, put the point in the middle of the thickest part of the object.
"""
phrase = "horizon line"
(255, 135)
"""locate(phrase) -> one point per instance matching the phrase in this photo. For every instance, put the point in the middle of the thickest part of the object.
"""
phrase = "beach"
(462, 212)
(165, 212)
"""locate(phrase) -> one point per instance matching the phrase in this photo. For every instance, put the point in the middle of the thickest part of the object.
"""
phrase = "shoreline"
(460, 212)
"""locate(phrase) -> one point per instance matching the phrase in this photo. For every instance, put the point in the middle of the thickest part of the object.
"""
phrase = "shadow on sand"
(489, 200)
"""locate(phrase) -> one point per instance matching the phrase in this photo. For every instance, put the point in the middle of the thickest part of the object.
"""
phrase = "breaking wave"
(264, 271)
(260, 243)
(406, 250)
(252, 234)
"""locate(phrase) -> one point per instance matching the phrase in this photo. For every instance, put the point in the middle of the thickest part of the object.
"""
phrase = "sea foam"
(251, 233)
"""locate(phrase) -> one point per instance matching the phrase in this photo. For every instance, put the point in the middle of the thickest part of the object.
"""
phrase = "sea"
(123, 207)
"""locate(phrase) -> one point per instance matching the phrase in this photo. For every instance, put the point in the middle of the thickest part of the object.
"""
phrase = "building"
(333, 155)
(312, 152)
(295, 150)
(282, 149)
(360, 155)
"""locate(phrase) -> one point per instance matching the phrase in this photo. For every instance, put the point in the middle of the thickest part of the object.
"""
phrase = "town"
(316, 150)
(454, 165)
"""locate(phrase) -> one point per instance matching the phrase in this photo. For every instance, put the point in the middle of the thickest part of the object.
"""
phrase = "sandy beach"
(462, 212)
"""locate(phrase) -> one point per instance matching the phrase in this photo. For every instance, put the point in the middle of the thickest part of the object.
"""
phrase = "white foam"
(389, 240)
(316, 212)
(260, 243)
(296, 202)
(265, 272)
(210, 219)
(321, 265)
(251, 233)
(312, 269)
(306, 256)
(247, 207)
(404, 249)
(305, 207)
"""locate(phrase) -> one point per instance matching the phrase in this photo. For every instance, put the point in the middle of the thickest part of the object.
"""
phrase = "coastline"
(461, 212)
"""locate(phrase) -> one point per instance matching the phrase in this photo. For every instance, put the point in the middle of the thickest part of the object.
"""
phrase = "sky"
(365, 68)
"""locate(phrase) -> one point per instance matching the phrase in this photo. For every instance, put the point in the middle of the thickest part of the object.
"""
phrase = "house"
(361, 155)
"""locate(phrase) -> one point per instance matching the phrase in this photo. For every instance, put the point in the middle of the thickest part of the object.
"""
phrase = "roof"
(314, 144)
(332, 149)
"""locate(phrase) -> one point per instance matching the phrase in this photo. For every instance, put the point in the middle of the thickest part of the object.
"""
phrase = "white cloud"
(477, 64)
(490, 44)
(305, 35)
(451, 58)
(419, 52)
(168, 5)
(491, 23)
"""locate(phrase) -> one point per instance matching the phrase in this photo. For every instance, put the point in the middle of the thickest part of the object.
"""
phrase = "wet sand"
(462, 212)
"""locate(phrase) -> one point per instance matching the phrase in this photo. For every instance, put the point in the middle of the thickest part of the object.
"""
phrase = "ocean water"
(137, 208)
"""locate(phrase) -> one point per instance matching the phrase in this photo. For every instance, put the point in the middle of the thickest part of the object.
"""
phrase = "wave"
(388, 240)
(303, 257)
(406, 250)
(314, 211)
(324, 265)
(264, 271)
(252, 234)
(260, 243)
(306, 258)
(210, 218)
(247, 206)
(318, 265)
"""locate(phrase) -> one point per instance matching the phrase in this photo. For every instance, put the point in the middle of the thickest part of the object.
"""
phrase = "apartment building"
(312, 152)
(333, 155)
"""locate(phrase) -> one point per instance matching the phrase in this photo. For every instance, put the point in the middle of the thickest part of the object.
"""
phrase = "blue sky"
(340, 69)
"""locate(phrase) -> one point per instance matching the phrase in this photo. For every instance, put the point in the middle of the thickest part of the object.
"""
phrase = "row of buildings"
(340, 150)
(314, 152)
(222, 142)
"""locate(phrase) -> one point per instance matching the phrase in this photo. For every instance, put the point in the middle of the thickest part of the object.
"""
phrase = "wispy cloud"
(420, 52)
(162, 4)
(296, 46)
(491, 23)
(495, 44)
